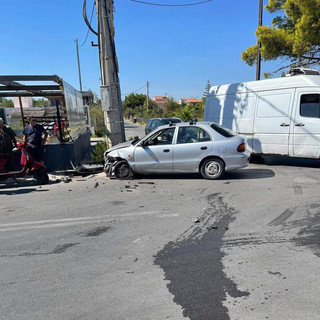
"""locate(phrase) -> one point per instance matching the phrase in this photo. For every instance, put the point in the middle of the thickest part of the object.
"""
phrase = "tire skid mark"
(193, 264)
(283, 217)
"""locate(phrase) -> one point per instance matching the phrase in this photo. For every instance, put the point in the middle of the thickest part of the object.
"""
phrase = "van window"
(310, 105)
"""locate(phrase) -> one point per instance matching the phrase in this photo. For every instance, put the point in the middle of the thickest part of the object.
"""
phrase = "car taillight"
(241, 147)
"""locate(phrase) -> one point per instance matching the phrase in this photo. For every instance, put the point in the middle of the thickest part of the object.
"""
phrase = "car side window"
(161, 137)
(310, 105)
(192, 134)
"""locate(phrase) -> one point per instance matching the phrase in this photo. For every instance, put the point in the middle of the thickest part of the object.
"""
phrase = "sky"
(176, 49)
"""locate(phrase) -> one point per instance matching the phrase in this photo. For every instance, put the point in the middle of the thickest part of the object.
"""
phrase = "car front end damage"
(116, 164)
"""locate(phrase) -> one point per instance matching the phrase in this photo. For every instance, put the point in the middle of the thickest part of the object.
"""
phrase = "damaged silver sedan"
(203, 147)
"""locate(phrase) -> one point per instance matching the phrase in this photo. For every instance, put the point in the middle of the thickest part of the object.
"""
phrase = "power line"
(88, 27)
(126, 94)
(84, 13)
(171, 5)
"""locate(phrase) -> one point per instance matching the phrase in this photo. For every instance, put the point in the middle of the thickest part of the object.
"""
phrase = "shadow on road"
(287, 161)
(243, 174)
(23, 186)
(21, 191)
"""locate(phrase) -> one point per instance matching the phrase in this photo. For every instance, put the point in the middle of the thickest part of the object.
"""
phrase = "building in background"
(27, 102)
(160, 100)
(189, 101)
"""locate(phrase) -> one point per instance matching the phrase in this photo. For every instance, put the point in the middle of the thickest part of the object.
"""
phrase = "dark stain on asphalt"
(193, 265)
(97, 231)
(116, 203)
(308, 227)
(309, 234)
(62, 248)
(58, 249)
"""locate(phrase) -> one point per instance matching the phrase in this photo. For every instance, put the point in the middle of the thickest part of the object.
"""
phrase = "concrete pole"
(259, 44)
(110, 87)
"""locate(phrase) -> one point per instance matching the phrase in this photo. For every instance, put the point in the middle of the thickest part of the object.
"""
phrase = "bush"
(98, 151)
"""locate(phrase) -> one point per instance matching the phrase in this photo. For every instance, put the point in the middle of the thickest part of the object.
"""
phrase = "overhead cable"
(172, 5)
(84, 12)
(126, 94)
(88, 27)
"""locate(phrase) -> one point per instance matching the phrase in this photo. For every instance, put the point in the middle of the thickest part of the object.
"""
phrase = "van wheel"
(212, 169)
(122, 170)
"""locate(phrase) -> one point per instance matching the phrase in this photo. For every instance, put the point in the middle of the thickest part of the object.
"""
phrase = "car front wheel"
(212, 169)
(122, 170)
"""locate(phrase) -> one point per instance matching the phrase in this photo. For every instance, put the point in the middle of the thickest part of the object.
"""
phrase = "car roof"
(167, 118)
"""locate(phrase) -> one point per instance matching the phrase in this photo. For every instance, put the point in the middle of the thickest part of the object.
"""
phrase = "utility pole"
(78, 58)
(259, 44)
(147, 95)
(110, 86)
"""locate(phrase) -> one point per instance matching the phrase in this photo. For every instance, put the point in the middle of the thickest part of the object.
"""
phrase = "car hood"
(120, 146)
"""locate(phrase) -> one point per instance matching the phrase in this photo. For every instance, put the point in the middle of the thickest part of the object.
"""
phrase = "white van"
(278, 116)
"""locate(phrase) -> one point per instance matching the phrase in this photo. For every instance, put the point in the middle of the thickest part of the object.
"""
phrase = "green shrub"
(98, 151)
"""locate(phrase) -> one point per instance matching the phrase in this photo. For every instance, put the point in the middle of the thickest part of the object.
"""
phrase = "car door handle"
(283, 124)
(300, 124)
(166, 150)
(204, 148)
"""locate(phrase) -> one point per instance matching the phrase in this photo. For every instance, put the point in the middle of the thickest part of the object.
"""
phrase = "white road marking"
(75, 221)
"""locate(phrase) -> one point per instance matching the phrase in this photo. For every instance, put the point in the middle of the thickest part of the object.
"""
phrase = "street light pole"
(110, 86)
(78, 58)
(147, 95)
(259, 43)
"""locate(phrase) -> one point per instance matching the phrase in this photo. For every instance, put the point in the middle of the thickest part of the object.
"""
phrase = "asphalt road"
(164, 247)
(133, 129)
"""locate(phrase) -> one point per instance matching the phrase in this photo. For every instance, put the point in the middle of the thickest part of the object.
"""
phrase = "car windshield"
(223, 131)
(167, 121)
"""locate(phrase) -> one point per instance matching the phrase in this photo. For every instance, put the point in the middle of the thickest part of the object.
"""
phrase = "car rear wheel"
(122, 170)
(212, 169)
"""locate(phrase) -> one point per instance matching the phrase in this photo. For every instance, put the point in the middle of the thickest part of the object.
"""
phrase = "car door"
(156, 153)
(306, 129)
(193, 144)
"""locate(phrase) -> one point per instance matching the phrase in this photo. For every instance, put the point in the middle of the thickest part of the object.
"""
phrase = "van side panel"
(212, 108)
(233, 111)
(272, 122)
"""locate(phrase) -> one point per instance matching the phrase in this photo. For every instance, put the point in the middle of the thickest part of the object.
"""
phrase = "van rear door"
(272, 122)
(305, 141)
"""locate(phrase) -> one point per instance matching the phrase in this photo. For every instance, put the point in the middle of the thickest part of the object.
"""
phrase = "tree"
(294, 34)
(208, 86)
(97, 117)
(170, 107)
(185, 113)
(40, 103)
(152, 111)
(8, 103)
(132, 104)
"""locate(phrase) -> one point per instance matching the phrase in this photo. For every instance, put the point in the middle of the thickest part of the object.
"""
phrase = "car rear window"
(223, 131)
